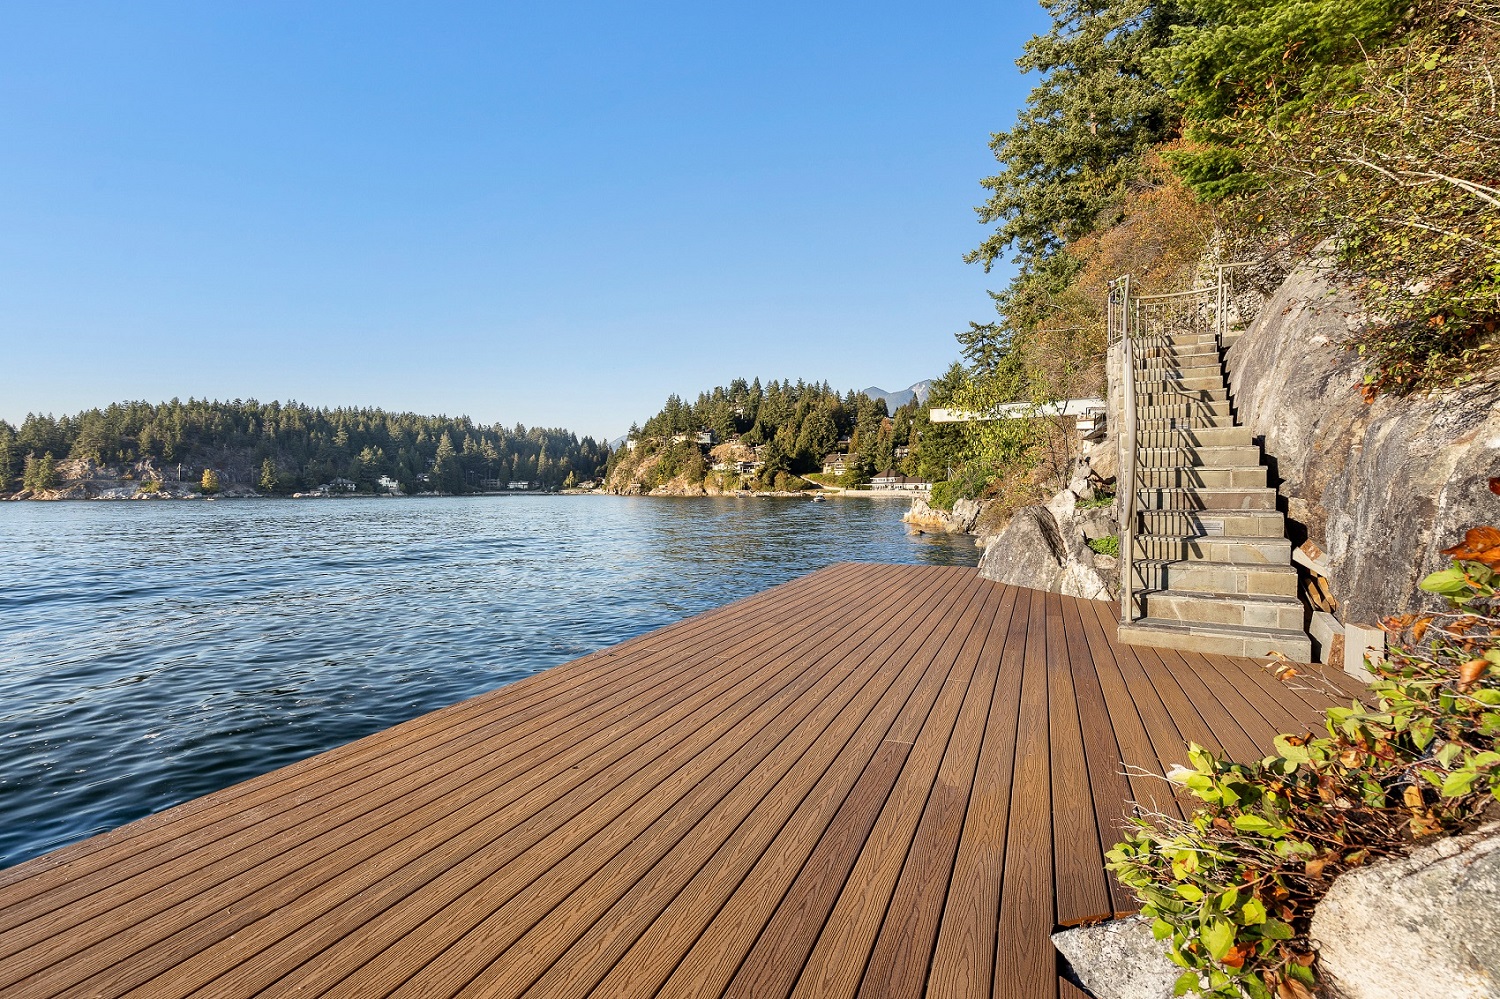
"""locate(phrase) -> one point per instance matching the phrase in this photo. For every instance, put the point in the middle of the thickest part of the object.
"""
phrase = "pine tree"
(40, 474)
(446, 475)
(268, 476)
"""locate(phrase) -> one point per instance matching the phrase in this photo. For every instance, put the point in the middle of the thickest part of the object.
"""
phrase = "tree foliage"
(1372, 126)
(303, 446)
(1076, 145)
(792, 426)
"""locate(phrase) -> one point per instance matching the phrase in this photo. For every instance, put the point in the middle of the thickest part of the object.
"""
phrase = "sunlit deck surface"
(876, 780)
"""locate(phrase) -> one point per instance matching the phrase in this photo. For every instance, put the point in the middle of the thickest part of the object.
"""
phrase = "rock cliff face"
(1380, 487)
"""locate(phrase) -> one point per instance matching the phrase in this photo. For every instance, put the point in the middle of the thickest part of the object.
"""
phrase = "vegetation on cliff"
(280, 447)
(1162, 132)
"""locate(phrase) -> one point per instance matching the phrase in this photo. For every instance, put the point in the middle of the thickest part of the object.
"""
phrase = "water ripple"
(151, 653)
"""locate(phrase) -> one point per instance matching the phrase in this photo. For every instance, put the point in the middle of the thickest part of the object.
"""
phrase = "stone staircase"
(1213, 567)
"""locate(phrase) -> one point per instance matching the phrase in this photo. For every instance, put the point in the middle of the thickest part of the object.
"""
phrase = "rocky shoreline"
(1043, 546)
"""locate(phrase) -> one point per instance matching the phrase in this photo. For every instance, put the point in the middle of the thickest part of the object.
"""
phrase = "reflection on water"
(153, 652)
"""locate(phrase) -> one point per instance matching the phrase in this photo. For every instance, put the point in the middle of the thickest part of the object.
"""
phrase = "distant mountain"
(895, 400)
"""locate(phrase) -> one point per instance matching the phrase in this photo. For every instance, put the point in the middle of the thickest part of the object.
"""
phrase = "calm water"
(154, 652)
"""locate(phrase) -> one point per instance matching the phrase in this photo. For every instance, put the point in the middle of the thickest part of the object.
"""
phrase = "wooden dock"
(872, 781)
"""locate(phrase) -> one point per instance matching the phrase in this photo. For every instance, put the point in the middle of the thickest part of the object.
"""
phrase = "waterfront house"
(892, 479)
(834, 464)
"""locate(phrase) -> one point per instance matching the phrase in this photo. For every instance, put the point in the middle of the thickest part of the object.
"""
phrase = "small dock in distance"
(875, 780)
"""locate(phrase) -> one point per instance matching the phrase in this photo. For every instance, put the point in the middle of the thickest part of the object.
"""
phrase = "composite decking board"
(901, 958)
(963, 962)
(1025, 961)
(241, 821)
(1241, 701)
(893, 780)
(198, 927)
(1083, 888)
(1168, 740)
(204, 931)
(838, 959)
(1137, 754)
(767, 841)
(648, 903)
(719, 951)
(1190, 719)
(666, 855)
(410, 935)
(1237, 735)
(1277, 713)
(1108, 783)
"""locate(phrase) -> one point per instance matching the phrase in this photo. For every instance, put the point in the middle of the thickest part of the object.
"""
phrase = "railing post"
(1127, 448)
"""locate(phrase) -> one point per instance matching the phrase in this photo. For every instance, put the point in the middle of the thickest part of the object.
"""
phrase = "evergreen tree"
(1077, 143)
(446, 475)
(210, 483)
(40, 474)
(268, 481)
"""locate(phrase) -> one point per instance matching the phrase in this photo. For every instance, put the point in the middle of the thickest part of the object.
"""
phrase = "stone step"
(1173, 379)
(1164, 405)
(1206, 499)
(1256, 643)
(1232, 456)
(1216, 577)
(1192, 337)
(1211, 523)
(1214, 548)
(1206, 361)
(1182, 421)
(1205, 349)
(1280, 613)
(1230, 436)
(1169, 373)
(1167, 394)
(1246, 477)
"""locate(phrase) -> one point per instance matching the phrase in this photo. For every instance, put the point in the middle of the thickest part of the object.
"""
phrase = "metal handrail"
(1124, 324)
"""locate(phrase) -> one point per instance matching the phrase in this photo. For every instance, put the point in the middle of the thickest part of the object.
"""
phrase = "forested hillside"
(276, 447)
(785, 430)
(1162, 135)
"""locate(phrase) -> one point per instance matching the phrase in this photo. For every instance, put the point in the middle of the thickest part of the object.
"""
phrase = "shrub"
(970, 483)
(1232, 888)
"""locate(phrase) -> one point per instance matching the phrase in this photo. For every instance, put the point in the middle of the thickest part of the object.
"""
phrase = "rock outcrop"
(962, 519)
(1381, 487)
(1425, 925)
(1046, 547)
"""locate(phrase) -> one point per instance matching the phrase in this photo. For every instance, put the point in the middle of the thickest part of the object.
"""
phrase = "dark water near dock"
(154, 652)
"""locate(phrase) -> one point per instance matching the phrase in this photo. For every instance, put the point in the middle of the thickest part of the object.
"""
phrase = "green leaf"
(1253, 912)
(1275, 929)
(1287, 751)
(1190, 891)
(1447, 582)
(1218, 937)
(1303, 975)
(1185, 983)
(1161, 929)
(1458, 783)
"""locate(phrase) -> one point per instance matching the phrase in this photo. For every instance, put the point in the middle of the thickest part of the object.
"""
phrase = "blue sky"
(547, 213)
